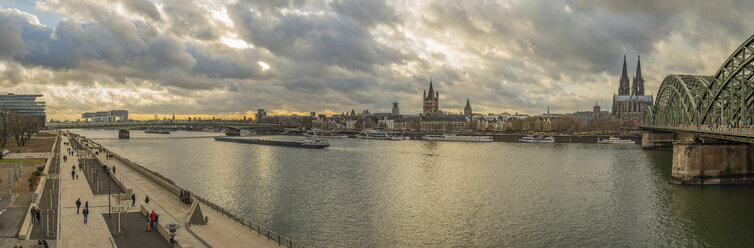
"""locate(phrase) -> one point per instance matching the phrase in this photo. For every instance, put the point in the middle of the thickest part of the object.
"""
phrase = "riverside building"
(25, 104)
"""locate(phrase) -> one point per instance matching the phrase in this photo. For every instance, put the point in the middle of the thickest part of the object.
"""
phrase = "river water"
(371, 193)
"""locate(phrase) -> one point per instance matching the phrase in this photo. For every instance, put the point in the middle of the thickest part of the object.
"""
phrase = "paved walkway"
(220, 231)
(73, 232)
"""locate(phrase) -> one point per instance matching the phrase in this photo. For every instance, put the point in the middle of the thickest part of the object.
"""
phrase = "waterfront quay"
(115, 221)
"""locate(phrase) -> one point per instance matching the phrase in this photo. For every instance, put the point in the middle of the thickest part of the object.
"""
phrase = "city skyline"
(227, 59)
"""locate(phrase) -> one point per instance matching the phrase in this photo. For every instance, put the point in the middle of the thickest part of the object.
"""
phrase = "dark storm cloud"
(367, 13)
(32, 44)
(316, 39)
(144, 7)
(187, 19)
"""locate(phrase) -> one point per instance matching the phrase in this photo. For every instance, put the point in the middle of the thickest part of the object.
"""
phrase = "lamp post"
(172, 227)
(108, 192)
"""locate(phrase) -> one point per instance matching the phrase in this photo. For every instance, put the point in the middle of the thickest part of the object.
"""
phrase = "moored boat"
(325, 134)
(615, 140)
(532, 139)
(157, 131)
(459, 138)
(310, 143)
(380, 135)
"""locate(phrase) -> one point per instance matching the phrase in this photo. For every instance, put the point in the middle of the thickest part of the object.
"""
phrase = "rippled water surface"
(371, 193)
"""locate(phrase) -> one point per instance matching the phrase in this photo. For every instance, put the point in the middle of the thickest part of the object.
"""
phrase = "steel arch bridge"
(723, 98)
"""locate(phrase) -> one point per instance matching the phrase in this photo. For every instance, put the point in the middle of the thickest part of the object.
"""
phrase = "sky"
(229, 58)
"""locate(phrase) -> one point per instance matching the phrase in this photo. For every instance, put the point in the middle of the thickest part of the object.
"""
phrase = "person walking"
(156, 221)
(38, 215)
(86, 205)
(73, 167)
(113, 169)
(73, 174)
(78, 205)
(147, 226)
(151, 220)
(33, 215)
(133, 199)
(86, 213)
(146, 199)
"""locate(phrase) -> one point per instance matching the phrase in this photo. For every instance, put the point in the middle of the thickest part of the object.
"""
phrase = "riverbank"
(222, 228)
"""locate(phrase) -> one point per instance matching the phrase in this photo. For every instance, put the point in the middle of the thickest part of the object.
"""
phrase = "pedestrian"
(86, 205)
(44, 242)
(78, 205)
(147, 226)
(86, 213)
(151, 219)
(79, 166)
(77, 176)
(73, 174)
(156, 221)
(73, 167)
(113, 169)
(38, 215)
(33, 215)
(146, 199)
(133, 199)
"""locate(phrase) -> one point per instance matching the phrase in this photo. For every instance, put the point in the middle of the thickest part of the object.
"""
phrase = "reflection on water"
(370, 193)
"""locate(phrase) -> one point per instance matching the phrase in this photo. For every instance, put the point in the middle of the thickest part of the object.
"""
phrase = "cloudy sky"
(228, 58)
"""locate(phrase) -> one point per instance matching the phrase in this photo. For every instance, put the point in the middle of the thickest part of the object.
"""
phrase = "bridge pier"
(232, 131)
(704, 163)
(124, 134)
(657, 140)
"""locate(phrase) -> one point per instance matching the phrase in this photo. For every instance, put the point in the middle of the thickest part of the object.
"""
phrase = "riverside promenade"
(219, 231)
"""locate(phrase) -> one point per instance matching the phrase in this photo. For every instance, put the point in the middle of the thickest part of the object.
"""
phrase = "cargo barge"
(298, 143)
(157, 131)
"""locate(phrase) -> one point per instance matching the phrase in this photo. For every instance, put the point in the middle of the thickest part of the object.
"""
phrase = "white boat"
(460, 138)
(615, 140)
(532, 139)
(379, 135)
(325, 134)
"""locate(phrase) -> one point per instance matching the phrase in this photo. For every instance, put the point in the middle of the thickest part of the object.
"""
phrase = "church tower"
(431, 100)
(467, 109)
(624, 90)
(638, 88)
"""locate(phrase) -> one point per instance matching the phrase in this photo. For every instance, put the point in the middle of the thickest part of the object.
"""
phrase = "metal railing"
(280, 239)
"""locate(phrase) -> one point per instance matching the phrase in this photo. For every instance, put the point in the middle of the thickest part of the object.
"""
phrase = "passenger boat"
(309, 143)
(460, 138)
(325, 134)
(532, 139)
(615, 140)
(157, 131)
(379, 135)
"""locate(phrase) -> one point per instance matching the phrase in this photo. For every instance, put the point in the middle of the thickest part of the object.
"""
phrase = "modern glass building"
(106, 116)
(25, 104)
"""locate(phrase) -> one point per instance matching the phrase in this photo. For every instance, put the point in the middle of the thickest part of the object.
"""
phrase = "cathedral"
(629, 104)
(431, 101)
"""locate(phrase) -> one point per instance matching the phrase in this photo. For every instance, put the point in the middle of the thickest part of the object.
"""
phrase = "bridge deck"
(745, 134)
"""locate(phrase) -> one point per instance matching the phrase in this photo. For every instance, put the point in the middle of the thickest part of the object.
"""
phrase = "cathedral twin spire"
(637, 88)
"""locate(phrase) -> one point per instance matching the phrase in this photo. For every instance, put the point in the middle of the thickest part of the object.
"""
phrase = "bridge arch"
(724, 98)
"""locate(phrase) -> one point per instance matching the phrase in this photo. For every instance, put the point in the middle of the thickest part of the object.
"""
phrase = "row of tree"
(17, 126)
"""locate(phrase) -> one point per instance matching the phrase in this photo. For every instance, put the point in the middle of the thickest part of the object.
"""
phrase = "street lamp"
(172, 227)
(108, 194)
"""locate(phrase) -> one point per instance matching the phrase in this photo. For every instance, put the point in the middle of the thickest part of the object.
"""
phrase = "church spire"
(431, 90)
(467, 109)
(624, 83)
(638, 87)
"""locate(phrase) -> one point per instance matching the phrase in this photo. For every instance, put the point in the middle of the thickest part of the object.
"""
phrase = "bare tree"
(23, 127)
(5, 129)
